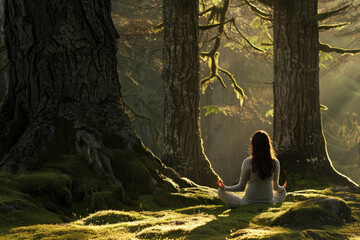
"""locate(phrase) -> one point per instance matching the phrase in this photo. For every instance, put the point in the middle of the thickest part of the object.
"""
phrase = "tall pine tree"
(183, 149)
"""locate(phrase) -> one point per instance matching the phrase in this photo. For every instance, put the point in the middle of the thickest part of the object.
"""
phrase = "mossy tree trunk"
(64, 96)
(183, 149)
(298, 135)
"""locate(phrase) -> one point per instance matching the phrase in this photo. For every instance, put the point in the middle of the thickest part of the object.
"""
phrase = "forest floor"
(304, 219)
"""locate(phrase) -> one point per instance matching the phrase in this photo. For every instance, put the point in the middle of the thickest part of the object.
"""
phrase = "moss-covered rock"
(55, 185)
(110, 217)
(315, 213)
(185, 197)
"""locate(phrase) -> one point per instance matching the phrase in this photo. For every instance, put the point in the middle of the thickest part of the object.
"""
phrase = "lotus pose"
(259, 176)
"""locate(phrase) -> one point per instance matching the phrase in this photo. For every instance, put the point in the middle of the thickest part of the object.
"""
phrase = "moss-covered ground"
(193, 213)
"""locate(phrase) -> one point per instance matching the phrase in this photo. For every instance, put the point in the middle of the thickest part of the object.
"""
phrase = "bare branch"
(221, 80)
(247, 40)
(136, 113)
(206, 11)
(328, 48)
(206, 27)
(238, 90)
(258, 11)
(325, 15)
(328, 27)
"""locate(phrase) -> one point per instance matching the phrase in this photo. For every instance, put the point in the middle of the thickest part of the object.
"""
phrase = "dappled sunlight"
(177, 223)
(203, 222)
(258, 232)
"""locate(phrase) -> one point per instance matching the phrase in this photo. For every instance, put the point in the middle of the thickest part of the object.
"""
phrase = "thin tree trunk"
(183, 149)
(64, 95)
(298, 136)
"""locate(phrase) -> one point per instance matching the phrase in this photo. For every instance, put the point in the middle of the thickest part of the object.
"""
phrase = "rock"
(321, 235)
(7, 207)
(315, 213)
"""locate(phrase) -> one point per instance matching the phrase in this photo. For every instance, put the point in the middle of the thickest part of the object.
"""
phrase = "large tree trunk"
(298, 135)
(3, 57)
(64, 97)
(183, 149)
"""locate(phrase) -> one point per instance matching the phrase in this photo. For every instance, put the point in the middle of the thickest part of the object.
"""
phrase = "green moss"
(52, 232)
(29, 215)
(110, 217)
(170, 185)
(186, 197)
(49, 184)
(320, 234)
(104, 200)
(68, 164)
(314, 213)
(204, 221)
(132, 170)
(296, 197)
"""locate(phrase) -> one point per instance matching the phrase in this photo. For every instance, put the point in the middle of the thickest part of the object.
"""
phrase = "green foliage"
(269, 113)
(215, 2)
(234, 46)
(323, 58)
(213, 109)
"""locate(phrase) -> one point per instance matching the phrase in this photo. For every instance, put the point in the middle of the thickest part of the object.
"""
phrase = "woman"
(259, 176)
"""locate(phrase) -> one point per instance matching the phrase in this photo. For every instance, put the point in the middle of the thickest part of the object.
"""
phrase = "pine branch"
(247, 40)
(221, 81)
(213, 55)
(269, 3)
(239, 91)
(206, 11)
(136, 113)
(132, 79)
(266, 32)
(207, 79)
(328, 27)
(328, 48)
(325, 15)
(258, 11)
(206, 27)
(160, 26)
(214, 67)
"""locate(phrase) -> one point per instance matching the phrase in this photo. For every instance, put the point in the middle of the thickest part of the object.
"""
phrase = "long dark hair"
(263, 154)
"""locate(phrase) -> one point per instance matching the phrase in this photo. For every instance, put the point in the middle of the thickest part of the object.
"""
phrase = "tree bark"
(64, 95)
(298, 135)
(183, 149)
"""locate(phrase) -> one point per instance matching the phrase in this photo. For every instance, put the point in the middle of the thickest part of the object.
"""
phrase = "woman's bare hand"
(220, 184)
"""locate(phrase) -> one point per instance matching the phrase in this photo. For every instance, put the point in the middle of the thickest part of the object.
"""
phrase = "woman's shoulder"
(247, 161)
(276, 162)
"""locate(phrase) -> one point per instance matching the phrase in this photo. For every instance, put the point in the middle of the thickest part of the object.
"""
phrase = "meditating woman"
(259, 176)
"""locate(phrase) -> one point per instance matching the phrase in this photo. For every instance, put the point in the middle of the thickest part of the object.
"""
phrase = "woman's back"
(257, 191)
(259, 176)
